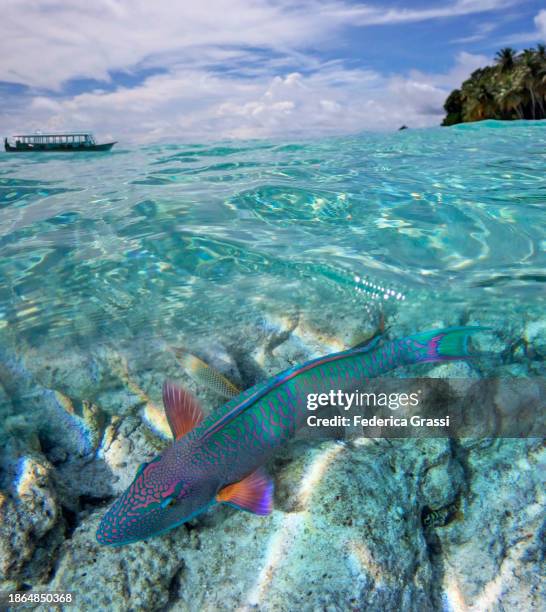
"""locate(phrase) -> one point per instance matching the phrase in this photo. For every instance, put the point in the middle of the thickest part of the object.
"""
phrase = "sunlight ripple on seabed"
(291, 524)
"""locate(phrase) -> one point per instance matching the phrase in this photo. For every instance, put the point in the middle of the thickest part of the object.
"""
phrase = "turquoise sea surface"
(196, 237)
(254, 257)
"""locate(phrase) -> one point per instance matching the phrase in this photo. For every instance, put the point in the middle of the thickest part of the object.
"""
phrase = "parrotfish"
(220, 458)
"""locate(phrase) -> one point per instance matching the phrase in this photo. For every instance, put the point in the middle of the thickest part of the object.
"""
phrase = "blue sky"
(150, 71)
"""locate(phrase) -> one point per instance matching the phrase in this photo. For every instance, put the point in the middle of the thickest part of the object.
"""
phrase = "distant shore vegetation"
(513, 88)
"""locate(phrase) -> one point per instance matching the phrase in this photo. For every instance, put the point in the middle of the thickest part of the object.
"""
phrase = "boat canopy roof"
(42, 134)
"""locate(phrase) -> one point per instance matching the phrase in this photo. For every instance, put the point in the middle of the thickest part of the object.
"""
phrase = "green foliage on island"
(513, 88)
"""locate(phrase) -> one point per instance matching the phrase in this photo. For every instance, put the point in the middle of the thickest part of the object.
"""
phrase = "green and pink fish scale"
(219, 459)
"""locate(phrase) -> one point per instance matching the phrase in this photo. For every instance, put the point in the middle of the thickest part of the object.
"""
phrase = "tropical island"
(513, 88)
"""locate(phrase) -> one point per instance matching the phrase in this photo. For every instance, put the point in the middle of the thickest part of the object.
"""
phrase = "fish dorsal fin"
(253, 494)
(205, 374)
(182, 409)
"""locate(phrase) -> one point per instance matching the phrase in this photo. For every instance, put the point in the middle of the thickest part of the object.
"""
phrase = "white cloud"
(539, 34)
(481, 31)
(47, 42)
(231, 68)
(540, 23)
(464, 65)
(196, 104)
(373, 15)
(424, 94)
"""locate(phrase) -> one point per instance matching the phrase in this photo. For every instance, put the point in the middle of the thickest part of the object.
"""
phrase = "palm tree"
(478, 101)
(541, 78)
(505, 58)
(513, 88)
(509, 100)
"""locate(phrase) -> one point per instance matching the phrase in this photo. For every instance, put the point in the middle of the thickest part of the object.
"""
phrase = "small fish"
(219, 459)
(204, 374)
(441, 516)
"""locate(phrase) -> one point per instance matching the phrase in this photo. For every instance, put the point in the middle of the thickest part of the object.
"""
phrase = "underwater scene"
(193, 291)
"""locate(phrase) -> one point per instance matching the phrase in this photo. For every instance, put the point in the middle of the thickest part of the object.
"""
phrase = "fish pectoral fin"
(253, 494)
(182, 409)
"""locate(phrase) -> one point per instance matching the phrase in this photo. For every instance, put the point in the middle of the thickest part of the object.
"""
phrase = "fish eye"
(168, 501)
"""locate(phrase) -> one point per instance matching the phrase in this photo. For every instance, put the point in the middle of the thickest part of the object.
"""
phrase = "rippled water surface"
(200, 237)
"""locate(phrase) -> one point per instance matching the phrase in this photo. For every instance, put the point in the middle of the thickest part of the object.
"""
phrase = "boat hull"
(58, 148)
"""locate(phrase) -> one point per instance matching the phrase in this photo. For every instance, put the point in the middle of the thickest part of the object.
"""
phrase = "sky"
(157, 70)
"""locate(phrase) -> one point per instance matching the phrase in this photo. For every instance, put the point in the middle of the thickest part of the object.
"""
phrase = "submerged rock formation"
(375, 524)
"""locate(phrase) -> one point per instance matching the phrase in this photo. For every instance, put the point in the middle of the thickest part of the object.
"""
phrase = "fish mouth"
(109, 534)
(116, 531)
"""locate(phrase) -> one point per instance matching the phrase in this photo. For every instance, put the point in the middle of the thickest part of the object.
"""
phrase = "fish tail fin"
(444, 344)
